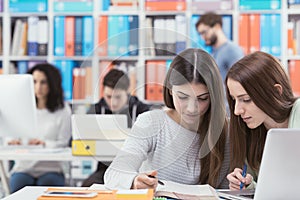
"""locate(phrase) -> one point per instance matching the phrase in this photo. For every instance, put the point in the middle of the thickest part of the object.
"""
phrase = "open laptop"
(279, 172)
(99, 127)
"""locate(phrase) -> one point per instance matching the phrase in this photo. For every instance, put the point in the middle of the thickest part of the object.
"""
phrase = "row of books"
(294, 73)
(293, 3)
(167, 34)
(155, 74)
(30, 37)
(294, 36)
(150, 5)
(21, 67)
(260, 32)
(73, 36)
(118, 35)
(76, 79)
(259, 4)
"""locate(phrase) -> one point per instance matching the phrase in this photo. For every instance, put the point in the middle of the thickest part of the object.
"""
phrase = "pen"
(159, 182)
(244, 175)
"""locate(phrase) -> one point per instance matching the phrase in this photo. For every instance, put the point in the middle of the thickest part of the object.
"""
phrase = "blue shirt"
(226, 55)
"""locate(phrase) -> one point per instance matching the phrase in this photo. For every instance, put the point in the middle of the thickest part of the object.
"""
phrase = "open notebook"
(279, 170)
(179, 191)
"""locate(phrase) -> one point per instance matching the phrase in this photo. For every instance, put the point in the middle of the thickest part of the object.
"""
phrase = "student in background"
(116, 100)
(186, 142)
(225, 52)
(54, 129)
(260, 98)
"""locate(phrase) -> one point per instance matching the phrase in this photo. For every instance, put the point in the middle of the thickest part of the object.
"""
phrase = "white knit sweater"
(157, 142)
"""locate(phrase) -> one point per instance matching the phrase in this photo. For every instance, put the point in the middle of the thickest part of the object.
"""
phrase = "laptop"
(99, 127)
(279, 172)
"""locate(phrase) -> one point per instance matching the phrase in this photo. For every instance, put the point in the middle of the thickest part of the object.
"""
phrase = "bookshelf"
(287, 11)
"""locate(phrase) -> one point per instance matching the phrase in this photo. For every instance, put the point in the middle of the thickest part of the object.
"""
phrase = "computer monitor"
(18, 117)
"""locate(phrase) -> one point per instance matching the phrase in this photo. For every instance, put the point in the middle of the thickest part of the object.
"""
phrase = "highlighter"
(244, 175)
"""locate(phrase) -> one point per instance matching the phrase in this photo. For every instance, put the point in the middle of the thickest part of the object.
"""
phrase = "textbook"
(179, 191)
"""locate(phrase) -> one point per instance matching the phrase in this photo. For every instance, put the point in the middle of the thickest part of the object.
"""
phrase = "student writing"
(260, 98)
(187, 141)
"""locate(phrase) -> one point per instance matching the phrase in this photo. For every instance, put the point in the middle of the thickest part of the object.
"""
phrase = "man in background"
(225, 52)
(116, 100)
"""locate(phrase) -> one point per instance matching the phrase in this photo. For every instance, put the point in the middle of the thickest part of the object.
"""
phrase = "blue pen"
(244, 175)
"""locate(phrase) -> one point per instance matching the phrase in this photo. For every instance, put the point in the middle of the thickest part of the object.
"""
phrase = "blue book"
(78, 36)
(105, 5)
(66, 69)
(73, 6)
(227, 26)
(275, 30)
(133, 36)
(22, 67)
(260, 4)
(59, 36)
(28, 6)
(32, 38)
(88, 36)
(265, 33)
(123, 37)
(113, 35)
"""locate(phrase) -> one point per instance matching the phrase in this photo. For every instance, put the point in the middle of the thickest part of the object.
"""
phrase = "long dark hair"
(197, 66)
(55, 98)
(257, 73)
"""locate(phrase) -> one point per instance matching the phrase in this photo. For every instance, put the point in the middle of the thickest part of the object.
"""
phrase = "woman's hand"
(15, 142)
(145, 180)
(36, 142)
(235, 179)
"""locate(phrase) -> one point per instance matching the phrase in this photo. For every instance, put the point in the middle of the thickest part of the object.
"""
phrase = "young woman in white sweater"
(186, 142)
(54, 129)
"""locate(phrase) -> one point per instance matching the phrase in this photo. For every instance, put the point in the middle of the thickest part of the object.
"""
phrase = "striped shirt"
(157, 142)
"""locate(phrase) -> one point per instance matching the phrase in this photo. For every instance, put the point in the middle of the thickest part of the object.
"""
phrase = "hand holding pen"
(146, 180)
(244, 175)
(239, 178)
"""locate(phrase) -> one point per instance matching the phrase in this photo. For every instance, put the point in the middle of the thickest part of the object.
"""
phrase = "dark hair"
(257, 73)
(55, 99)
(210, 19)
(197, 66)
(116, 79)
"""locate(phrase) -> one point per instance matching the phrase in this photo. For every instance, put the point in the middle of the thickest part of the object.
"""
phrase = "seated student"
(260, 98)
(116, 100)
(186, 142)
(54, 129)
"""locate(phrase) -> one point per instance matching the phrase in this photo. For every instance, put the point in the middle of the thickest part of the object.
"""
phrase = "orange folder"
(102, 195)
(102, 35)
(294, 71)
(254, 30)
(69, 36)
(244, 33)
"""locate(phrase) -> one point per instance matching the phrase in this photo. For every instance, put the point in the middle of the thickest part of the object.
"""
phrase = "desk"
(23, 154)
(33, 192)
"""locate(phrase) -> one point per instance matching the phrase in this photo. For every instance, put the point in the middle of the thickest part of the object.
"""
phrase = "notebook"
(279, 171)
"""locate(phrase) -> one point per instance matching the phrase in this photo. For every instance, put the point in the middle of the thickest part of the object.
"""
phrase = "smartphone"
(83, 194)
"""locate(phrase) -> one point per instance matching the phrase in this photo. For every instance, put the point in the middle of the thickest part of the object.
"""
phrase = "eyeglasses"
(204, 32)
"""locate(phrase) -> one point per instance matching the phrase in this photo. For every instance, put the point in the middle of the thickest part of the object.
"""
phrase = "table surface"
(33, 192)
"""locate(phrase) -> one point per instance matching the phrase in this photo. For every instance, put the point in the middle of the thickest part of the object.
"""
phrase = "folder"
(70, 36)
(102, 36)
(244, 33)
(254, 32)
(141, 194)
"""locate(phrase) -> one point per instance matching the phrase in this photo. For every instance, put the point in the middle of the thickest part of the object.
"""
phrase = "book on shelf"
(73, 5)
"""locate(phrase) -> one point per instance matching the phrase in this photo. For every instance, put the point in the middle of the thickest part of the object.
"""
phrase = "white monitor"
(17, 106)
